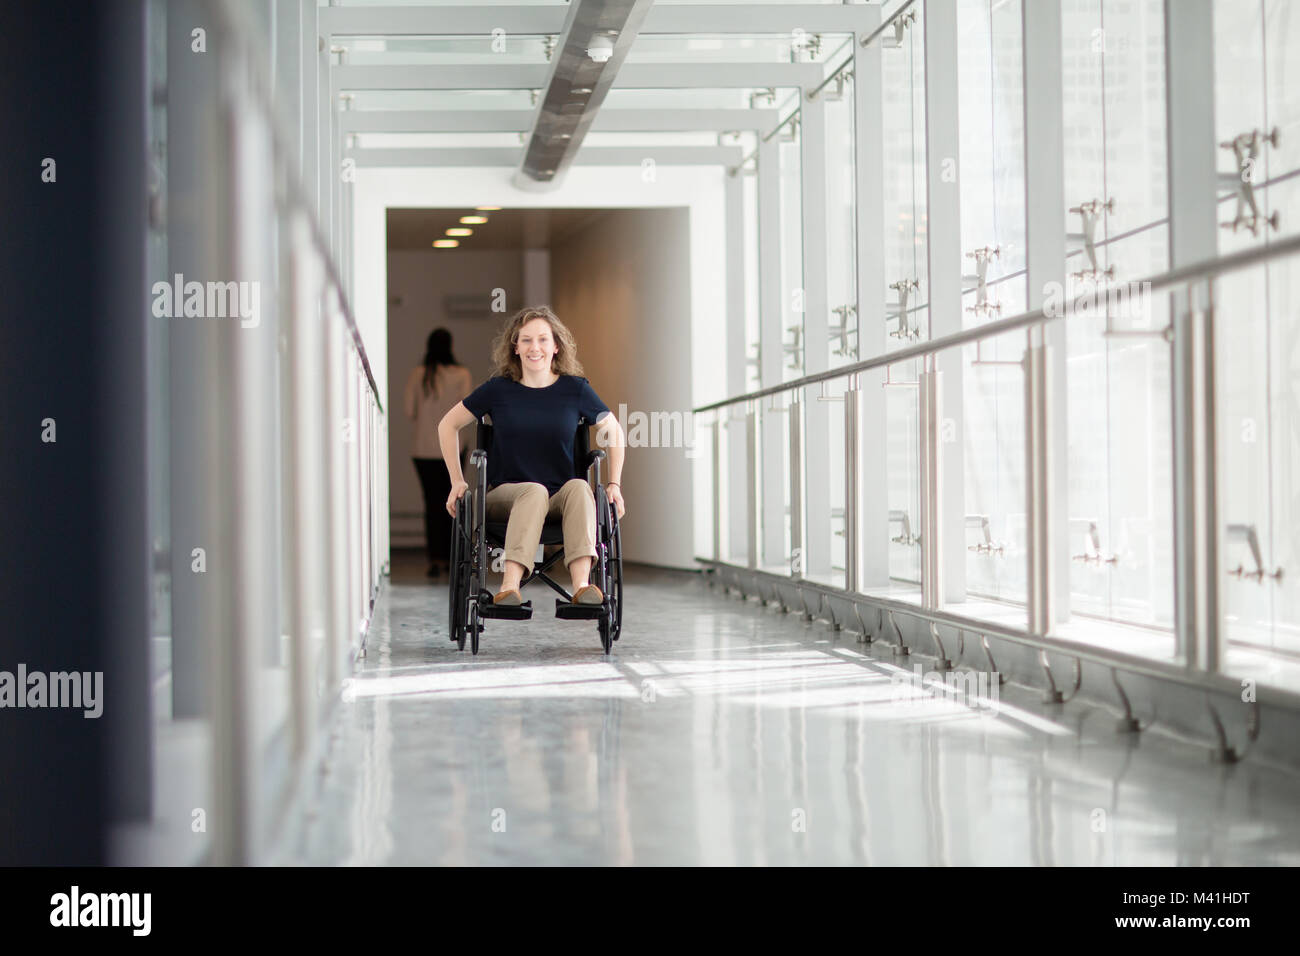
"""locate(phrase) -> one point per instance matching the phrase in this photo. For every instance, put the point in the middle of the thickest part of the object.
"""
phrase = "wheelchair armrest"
(594, 458)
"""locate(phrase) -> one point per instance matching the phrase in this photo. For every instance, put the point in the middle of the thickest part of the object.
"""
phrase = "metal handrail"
(1205, 269)
(885, 24)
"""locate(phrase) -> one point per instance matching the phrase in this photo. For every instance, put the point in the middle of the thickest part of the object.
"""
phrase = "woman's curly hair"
(506, 363)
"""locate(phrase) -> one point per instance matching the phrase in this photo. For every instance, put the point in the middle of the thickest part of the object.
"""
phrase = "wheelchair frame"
(470, 602)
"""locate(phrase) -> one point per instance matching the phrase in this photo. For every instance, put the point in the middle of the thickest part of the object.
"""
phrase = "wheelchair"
(473, 538)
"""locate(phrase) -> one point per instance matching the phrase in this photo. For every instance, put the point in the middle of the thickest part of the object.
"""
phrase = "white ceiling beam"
(481, 20)
(513, 155)
(633, 76)
(520, 121)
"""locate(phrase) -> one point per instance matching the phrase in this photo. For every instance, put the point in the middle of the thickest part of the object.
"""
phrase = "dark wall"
(69, 344)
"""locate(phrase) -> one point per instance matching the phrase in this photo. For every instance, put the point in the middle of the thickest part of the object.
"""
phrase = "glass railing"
(906, 542)
(267, 448)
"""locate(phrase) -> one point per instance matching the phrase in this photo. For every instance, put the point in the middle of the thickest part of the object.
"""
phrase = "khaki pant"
(525, 506)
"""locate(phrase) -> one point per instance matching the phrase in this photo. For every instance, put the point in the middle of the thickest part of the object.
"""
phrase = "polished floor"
(722, 732)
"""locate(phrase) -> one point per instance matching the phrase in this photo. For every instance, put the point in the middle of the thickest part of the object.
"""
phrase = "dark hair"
(436, 352)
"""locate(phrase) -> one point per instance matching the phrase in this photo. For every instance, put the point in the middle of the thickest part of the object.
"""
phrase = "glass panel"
(993, 411)
(1257, 120)
(734, 475)
(903, 450)
(827, 400)
(991, 101)
(774, 416)
(792, 285)
(753, 361)
(904, 189)
(992, 181)
(1118, 374)
(1284, 448)
(841, 222)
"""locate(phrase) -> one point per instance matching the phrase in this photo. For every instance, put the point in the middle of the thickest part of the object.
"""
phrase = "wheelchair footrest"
(568, 611)
(517, 612)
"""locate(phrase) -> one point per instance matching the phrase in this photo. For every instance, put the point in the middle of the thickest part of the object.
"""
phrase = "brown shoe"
(588, 594)
(511, 598)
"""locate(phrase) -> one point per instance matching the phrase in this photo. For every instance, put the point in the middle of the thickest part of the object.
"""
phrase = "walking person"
(434, 387)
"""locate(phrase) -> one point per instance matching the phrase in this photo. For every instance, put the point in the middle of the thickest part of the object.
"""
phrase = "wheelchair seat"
(552, 531)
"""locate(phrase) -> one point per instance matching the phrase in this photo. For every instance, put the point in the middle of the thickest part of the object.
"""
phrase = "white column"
(943, 235)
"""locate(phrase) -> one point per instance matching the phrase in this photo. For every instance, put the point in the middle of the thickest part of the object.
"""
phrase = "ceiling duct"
(597, 35)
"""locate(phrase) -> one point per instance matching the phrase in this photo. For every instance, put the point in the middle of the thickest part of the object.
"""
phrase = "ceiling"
(505, 228)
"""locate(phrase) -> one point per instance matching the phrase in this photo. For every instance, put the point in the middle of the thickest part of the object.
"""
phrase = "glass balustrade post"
(932, 476)
(946, 265)
(816, 424)
(852, 410)
(1193, 229)
(797, 559)
(750, 496)
(717, 431)
(871, 462)
(1045, 257)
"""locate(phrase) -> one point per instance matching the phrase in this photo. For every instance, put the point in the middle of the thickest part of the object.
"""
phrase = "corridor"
(916, 384)
(723, 733)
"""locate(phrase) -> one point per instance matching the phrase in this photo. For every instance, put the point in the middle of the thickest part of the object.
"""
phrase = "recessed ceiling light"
(445, 243)
(487, 208)
(473, 220)
(460, 232)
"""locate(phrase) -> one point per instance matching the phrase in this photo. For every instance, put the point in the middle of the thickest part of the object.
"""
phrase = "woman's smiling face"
(536, 345)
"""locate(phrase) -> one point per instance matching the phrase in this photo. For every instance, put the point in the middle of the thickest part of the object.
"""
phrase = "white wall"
(623, 286)
(698, 188)
(420, 279)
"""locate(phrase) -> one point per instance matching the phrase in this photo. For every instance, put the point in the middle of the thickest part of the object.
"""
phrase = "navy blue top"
(533, 428)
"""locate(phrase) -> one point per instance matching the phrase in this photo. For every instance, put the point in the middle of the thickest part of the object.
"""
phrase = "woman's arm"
(609, 435)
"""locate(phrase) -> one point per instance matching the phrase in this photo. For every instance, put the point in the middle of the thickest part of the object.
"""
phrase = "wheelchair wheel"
(455, 572)
(615, 577)
(476, 573)
(458, 593)
(609, 569)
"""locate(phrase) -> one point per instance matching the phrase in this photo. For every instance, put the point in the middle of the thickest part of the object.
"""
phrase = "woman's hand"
(458, 489)
(615, 495)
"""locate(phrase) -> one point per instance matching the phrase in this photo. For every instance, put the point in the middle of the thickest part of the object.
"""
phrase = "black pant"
(436, 484)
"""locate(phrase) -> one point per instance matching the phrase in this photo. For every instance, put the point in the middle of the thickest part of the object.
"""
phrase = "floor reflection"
(720, 732)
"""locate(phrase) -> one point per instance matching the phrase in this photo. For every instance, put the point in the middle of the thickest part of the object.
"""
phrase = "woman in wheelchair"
(537, 398)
